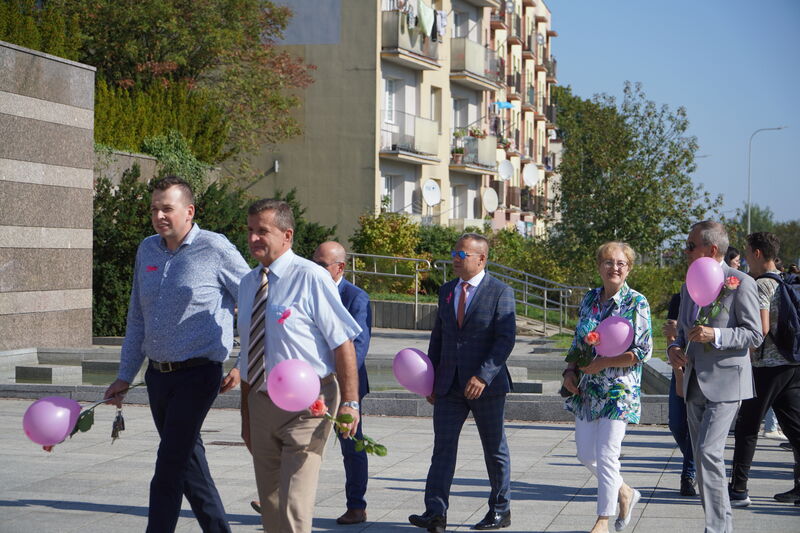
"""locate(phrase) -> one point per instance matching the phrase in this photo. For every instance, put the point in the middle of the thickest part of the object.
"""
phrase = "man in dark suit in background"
(473, 336)
(331, 256)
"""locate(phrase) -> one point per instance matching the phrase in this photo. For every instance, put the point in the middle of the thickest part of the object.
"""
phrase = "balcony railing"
(480, 151)
(531, 96)
(409, 133)
(514, 81)
(469, 56)
(550, 113)
(516, 28)
(397, 35)
(550, 65)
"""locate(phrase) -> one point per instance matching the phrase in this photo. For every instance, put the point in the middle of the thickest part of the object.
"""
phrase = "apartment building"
(436, 108)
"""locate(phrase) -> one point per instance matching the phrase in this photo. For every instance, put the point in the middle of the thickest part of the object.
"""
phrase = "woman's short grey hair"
(713, 234)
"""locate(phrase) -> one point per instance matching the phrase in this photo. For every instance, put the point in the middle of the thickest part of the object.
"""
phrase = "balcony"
(494, 4)
(409, 138)
(515, 35)
(497, 20)
(514, 81)
(529, 102)
(474, 65)
(407, 47)
(513, 196)
(529, 48)
(479, 157)
(550, 65)
(551, 112)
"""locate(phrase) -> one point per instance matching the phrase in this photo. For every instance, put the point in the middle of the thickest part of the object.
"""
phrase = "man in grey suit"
(473, 336)
(718, 373)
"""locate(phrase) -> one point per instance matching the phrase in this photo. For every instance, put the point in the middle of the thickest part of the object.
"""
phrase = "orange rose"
(318, 408)
(592, 338)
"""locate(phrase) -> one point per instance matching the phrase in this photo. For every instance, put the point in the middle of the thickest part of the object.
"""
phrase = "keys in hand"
(117, 426)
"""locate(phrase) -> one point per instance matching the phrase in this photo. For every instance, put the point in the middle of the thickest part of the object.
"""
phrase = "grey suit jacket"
(725, 374)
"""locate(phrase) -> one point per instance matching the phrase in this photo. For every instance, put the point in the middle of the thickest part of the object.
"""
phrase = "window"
(389, 95)
(436, 106)
(460, 112)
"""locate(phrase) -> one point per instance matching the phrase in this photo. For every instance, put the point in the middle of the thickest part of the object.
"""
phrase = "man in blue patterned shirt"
(185, 286)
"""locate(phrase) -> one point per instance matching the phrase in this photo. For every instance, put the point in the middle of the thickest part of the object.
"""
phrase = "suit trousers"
(179, 403)
(679, 427)
(356, 469)
(709, 423)
(777, 387)
(599, 443)
(287, 455)
(449, 414)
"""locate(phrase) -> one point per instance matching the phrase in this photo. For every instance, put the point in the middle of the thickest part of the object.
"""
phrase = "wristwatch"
(352, 404)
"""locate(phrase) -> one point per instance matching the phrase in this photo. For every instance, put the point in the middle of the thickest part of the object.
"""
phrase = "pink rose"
(318, 408)
(592, 338)
(732, 283)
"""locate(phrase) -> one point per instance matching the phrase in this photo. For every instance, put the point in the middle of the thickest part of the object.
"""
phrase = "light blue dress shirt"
(305, 318)
(182, 302)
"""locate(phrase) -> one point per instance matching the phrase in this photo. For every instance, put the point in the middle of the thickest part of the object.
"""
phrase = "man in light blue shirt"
(289, 308)
(185, 285)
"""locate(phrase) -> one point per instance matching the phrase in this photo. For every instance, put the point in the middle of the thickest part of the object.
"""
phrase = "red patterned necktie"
(462, 304)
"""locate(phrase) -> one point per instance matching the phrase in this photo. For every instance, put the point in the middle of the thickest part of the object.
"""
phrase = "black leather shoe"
(494, 520)
(687, 486)
(434, 523)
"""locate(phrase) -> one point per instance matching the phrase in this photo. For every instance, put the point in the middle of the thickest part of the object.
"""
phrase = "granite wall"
(46, 177)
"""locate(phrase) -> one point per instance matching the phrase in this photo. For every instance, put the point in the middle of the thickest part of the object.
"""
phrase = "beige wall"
(46, 159)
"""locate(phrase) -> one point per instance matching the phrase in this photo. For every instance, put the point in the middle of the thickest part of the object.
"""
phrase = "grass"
(395, 297)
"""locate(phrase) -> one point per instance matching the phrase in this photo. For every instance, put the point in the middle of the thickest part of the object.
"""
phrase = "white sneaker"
(776, 435)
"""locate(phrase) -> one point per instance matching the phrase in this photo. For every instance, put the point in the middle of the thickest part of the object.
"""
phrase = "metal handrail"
(531, 291)
(420, 266)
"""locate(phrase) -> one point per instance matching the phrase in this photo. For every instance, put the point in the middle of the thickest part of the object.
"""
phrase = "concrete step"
(55, 374)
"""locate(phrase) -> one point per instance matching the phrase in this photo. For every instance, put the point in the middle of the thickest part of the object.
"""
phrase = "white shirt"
(472, 284)
(305, 318)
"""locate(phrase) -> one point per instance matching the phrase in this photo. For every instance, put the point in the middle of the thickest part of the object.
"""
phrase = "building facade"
(437, 108)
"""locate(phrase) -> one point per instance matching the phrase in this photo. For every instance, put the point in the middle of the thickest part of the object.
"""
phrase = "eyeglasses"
(461, 254)
(611, 264)
(690, 246)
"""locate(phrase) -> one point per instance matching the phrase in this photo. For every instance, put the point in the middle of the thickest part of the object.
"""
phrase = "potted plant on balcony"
(503, 143)
(477, 133)
(457, 154)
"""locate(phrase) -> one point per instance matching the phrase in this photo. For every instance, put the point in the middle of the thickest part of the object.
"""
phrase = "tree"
(223, 47)
(625, 174)
(307, 235)
(761, 219)
(789, 235)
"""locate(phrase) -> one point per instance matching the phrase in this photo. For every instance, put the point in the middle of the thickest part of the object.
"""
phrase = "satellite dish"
(505, 169)
(540, 38)
(530, 175)
(431, 193)
(509, 6)
(489, 200)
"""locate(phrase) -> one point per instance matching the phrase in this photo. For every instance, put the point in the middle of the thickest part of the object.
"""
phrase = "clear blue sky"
(734, 65)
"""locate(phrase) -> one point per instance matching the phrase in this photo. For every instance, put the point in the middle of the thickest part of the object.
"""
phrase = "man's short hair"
(767, 242)
(482, 241)
(713, 234)
(283, 218)
(174, 181)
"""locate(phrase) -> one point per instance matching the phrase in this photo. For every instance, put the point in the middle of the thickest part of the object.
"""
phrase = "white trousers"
(598, 446)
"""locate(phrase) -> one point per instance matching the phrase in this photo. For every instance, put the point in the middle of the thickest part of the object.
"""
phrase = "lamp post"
(749, 150)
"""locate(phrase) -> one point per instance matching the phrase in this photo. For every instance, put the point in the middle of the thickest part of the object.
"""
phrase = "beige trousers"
(287, 455)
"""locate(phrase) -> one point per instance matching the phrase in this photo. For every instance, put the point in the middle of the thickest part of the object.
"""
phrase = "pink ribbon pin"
(151, 268)
(286, 314)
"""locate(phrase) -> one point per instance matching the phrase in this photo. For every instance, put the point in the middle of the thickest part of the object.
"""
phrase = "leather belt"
(171, 366)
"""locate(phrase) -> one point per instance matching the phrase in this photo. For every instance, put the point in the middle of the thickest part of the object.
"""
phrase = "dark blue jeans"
(356, 469)
(680, 429)
(179, 402)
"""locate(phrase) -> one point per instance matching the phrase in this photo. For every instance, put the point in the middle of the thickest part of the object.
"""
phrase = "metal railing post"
(544, 327)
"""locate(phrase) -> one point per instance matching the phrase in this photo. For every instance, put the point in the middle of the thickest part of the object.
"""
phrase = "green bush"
(658, 284)
(175, 157)
(126, 118)
(45, 29)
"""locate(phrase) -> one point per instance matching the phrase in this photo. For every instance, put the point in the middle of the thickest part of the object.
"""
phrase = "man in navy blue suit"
(332, 256)
(473, 336)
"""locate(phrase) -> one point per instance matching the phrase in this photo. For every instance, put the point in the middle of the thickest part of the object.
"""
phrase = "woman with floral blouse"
(606, 392)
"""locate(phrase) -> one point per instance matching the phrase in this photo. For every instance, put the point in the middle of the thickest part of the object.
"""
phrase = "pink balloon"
(616, 335)
(414, 371)
(50, 420)
(293, 385)
(704, 280)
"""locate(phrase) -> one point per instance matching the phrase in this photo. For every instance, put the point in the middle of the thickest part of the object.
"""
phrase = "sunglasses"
(461, 254)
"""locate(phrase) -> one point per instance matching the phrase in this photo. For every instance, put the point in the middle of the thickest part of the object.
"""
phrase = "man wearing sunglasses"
(471, 340)
(718, 374)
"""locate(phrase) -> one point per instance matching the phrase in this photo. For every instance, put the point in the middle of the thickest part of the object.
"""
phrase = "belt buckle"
(168, 366)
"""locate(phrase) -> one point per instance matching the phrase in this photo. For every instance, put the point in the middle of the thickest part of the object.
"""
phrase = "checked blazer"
(482, 346)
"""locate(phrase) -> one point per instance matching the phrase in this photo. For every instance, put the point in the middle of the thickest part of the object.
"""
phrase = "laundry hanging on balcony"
(426, 17)
(441, 24)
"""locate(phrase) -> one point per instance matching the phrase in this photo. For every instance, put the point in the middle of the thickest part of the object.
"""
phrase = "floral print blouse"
(613, 393)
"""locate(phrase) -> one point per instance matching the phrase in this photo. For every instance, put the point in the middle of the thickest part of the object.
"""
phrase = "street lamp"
(749, 150)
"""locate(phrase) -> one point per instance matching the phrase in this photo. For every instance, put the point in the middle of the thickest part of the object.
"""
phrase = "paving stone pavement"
(88, 485)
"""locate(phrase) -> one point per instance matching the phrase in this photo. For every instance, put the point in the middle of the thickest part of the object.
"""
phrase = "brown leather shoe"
(352, 516)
